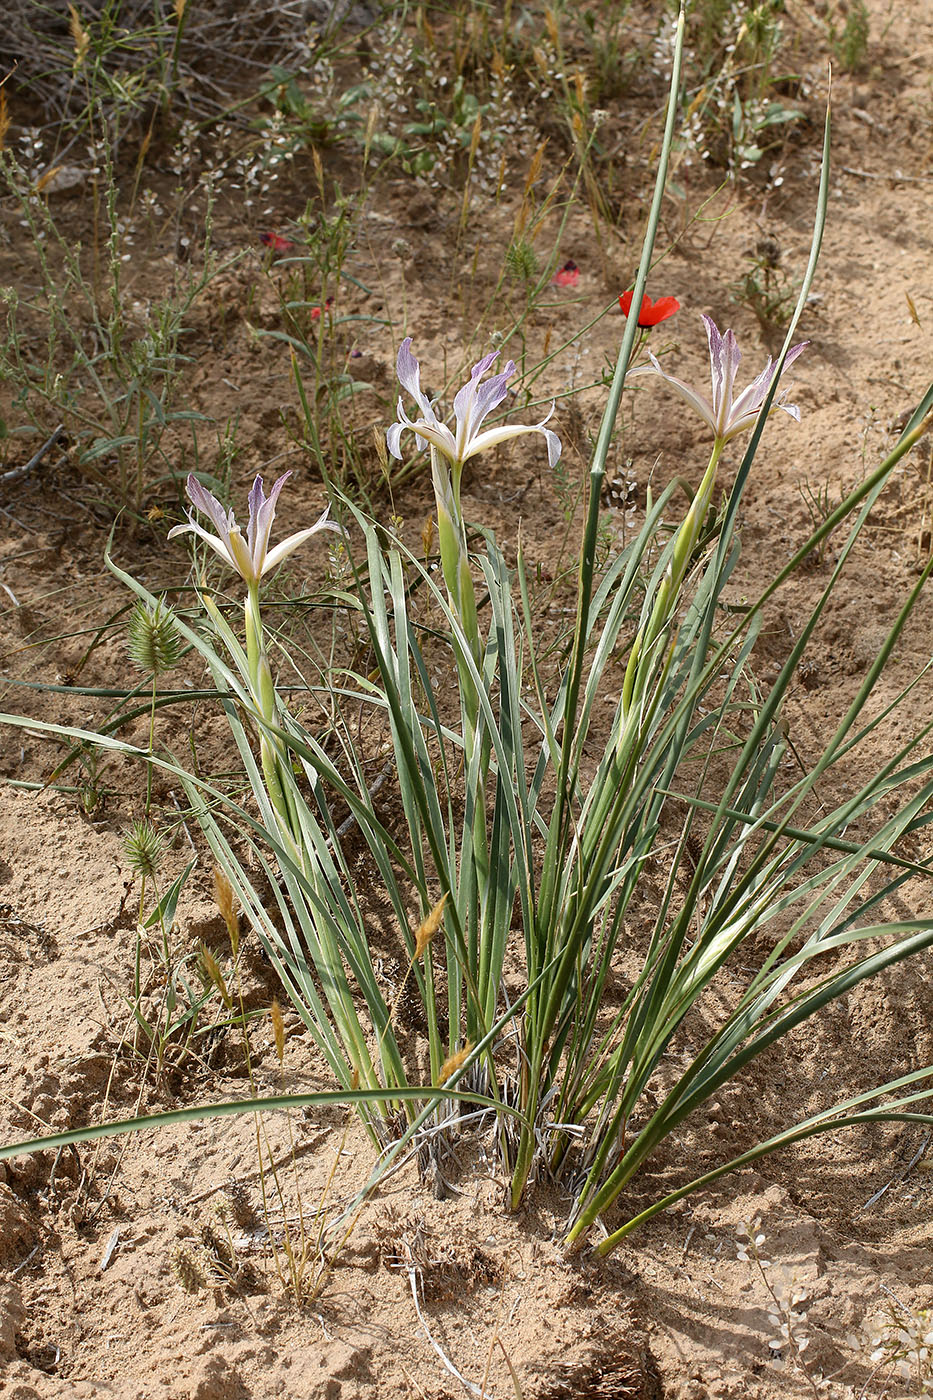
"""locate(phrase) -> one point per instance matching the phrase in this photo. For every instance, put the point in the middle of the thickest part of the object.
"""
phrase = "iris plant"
(450, 449)
(726, 414)
(252, 559)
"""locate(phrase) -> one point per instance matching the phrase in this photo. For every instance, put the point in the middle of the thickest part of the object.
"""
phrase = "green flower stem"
(634, 720)
(641, 666)
(473, 890)
(455, 559)
(272, 752)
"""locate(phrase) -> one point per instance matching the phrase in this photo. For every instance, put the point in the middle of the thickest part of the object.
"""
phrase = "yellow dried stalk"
(225, 900)
(427, 537)
(212, 970)
(278, 1030)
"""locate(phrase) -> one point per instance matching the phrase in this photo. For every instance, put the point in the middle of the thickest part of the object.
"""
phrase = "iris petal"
(727, 415)
(472, 405)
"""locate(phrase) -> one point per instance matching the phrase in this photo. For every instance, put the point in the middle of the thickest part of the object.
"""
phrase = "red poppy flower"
(568, 276)
(651, 311)
(316, 310)
(276, 242)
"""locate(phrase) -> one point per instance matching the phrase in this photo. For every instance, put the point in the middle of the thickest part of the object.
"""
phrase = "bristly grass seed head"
(188, 1271)
(210, 969)
(454, 1062)
(429, 926)
(521, 261)
(242, 1211)
(144, 849)
(154, 642)
(225, 900)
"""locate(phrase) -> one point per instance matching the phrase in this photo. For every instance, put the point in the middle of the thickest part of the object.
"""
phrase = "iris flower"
(651, 313)
(472, 405)
(251, 557)
(727, 413)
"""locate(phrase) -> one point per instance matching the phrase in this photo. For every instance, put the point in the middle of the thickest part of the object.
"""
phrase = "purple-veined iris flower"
(725, 412)
(251, 557)
(472, 406)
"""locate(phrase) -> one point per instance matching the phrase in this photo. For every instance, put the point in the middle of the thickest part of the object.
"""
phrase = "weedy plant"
(766, 287)
(556, 990)
(737, 115)
(850, 42)
(168, 993)
(108, 370)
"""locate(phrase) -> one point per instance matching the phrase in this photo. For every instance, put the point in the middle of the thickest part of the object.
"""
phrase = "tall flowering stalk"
(450, 450)
(322, 932)
(726, 414)
(483, 881)
(252, 558)
(581, 867)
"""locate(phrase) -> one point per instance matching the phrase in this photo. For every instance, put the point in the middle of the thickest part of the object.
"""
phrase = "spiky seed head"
(225, 900)
(278, 1030)
(427, 537)
(242, 1210)
(382, 451)
(220, 1253)
(210, 968)
(521, 261)
(152, 638)
(143, 848)
(454, 1062)
(428, 928)
(534, 168)
(80, 36)
(187, 1270)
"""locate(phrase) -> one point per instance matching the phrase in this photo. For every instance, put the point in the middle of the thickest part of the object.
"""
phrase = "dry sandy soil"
(89, 1301)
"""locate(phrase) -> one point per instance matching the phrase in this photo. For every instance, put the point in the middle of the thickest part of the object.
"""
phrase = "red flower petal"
(652, 312)
(662, 308)
(276, 242)
(568, 276)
